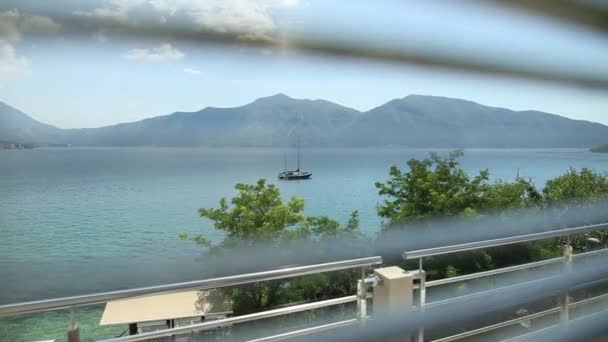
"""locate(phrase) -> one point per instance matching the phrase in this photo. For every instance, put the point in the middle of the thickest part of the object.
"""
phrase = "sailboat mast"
(284, 162)
(298, 154)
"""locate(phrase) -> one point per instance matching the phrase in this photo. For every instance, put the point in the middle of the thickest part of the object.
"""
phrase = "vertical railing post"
(564, 298)
(74, 330)
(362, 298)
(421, 298)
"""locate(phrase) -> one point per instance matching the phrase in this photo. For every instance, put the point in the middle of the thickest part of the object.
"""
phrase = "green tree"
(257, 216)
(439, 187)
(576, 190)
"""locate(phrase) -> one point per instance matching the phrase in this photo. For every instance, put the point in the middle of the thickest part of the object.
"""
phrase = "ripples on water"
(90, 219)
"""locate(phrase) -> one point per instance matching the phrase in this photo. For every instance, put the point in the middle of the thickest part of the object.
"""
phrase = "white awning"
(165, 307)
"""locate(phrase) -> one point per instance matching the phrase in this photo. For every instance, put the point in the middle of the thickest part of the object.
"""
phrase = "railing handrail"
(307, 331)
(509, 269)
(240, 279)
(498, 271)
(470, 246)
(322, 304)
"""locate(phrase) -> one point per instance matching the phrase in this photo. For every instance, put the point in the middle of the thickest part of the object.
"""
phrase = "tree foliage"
(257, 213)
(576, 188)
(439, 187)
(256, 216)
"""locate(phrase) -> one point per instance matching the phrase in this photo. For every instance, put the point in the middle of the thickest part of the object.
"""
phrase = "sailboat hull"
(294, 175)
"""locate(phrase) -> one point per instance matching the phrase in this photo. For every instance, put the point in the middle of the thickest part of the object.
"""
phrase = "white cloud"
(12, 26)
(112, 10)
(267, 51)
(239, 16)
(251, 17)
(11, 65)
(105, 13)
(13, 23)
(39, 24)
(165, 52)
(290, 3)
(9, 26)
(192, 71)
(100, 37)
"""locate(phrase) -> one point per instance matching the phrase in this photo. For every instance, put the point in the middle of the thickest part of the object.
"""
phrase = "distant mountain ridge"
(17, 126)
(600, 149)
(279, 120)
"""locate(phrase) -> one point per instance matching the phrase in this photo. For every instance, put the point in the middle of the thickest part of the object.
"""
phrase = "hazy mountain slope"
(18, 127)
(413, 121)
(430, 121)
(272, 121)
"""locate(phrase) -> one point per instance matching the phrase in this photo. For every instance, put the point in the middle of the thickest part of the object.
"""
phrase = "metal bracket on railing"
(363, 287)
(371, 281)
(421, 277)
(565, 298)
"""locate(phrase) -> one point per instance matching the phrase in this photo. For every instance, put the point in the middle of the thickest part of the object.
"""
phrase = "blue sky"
(97, 78)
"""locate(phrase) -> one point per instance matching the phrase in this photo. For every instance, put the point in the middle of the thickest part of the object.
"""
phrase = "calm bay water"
(91, 219)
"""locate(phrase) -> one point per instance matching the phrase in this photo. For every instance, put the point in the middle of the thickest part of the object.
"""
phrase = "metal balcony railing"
(362, 294)
(471, 246)
(566, 260)
(97, 298)
(196, 328)
(282, 273)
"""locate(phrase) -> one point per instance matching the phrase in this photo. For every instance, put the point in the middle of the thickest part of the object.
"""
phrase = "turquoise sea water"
(80, 220)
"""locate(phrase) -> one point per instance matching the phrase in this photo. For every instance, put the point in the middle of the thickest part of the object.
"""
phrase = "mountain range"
(279, 120)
